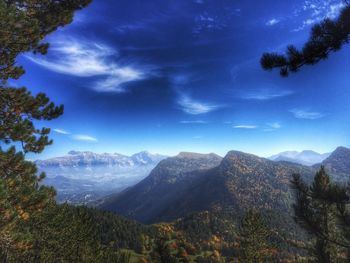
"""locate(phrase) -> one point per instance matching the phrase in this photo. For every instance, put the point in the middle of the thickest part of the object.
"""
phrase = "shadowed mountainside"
(170, 179)
(183, 184)
(338, 164)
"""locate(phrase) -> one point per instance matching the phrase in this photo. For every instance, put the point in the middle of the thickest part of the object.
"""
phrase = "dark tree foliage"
(79, 234)
(21, 197)
(254, 238)
(321, 209)
(25, 23)
(23, 26)
(164, 253)
(326, 37)
(18, 109)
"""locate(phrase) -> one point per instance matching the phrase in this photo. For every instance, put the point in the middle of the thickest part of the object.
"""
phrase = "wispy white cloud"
(307, 114)
(90, 59)
(85, 138)
(324, 8)
(210, 20)
(181, 84)
(77, 137)
(273, 126)
(61, 131)
(194, 122)
(266, 127)
(272, 22)
(195, 107)
(118, 77)
(73, 57)
(245, 127)
(317, 10)
(306, 23)
(334, 9)
(265, 94)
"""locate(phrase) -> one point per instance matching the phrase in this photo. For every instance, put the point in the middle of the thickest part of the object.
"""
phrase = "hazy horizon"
(39, 156)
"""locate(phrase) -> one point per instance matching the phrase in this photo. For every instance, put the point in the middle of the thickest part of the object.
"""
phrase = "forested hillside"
(238, 182)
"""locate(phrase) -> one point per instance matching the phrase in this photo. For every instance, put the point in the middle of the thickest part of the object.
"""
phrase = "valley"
(85, 177)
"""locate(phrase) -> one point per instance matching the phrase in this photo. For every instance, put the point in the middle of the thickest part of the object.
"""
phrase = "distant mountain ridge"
(237, 181)
(180, 185)
(76, 158)
(306, 157)
(84, 177)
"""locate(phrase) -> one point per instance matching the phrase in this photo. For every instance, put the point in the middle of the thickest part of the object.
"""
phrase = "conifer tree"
(319, 209)
(254, 238)
(23, 26)
(326, 37)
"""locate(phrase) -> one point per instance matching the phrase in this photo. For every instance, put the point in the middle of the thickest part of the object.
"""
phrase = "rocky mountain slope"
(238, 181)
(191, 183)
(338, 164)
(241, 181)
(172, 178)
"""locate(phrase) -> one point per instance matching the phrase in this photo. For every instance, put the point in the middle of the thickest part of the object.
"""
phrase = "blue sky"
(170, 76)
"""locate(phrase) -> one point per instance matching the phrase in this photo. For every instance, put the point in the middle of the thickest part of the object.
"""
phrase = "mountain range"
(88, 159)
(190, 183)
(171, 178)
(83, 177)
(305, 157)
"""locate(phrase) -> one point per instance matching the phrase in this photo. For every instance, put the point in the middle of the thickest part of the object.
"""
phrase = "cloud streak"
(265, 94)
(77, 137)
(194, 122)
(248, 127)
(61, 131)
(195, 107)
(272, 22)
(306, 114)
(90, 59)
(75, 58)
(85, 138)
